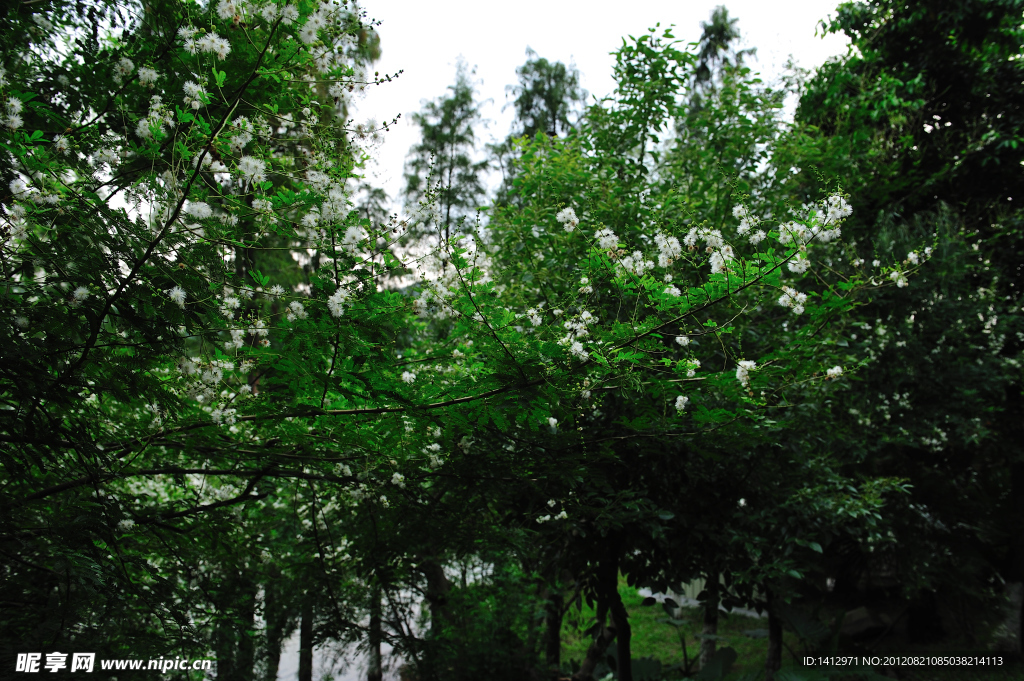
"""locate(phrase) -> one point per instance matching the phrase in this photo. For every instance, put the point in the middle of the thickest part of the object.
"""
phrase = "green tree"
(445, 156)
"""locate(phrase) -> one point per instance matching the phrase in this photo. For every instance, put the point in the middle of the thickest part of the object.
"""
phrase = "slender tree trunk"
(774, 661)
(438, 587)
(707, 646)
(246, 658)
(595, 652)
(620, 618)
(375, 671)
(553, 633)
(306, 640)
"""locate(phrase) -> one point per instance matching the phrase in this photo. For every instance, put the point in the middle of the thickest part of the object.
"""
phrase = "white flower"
(199, 210)
(187, 32)
(897, 276)
(61, 144)
(147, 76)
(354, 236)
(14, 105)
(757, 237)
(799, 263)
(384, 501)
(576, 348)
(673, 291)
(124, 67)
(252, 169)
(793, 299)
(177, 294)
(308, 33)
(681, 402)
(567, 217)
(194, 94)
(408, 376)
(398, 479)
(913, 258)
(743, 369)
(683, 340)
(14, 121)
(835, 372)
(739, 211)
(606, 238)
(837, 208)
(692, 366)
(80, 294)
(296, 311)
(276, 290)
(552, 422)
(289, 14)
(876, 263)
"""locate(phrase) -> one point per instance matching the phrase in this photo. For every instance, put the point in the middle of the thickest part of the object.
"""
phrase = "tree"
(445, 155)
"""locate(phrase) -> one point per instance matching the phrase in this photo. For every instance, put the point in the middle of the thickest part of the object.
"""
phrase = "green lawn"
(651, 638)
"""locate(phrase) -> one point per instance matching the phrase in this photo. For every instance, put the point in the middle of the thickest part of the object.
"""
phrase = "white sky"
(425, 38)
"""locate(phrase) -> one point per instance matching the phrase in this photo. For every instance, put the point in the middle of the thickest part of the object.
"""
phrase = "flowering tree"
(173, 389)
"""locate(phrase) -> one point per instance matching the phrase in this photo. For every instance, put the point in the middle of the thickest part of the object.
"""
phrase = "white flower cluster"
(683, 340)
(398, 480)
(296, 311)
(13, 120)
(408, 377)
(122, 69)
(799, 263)
(242, 132)
(209, 42)
(669, 249)
(148, 76)
(743, 369)
(157, 117)
(336, 303)
(585, 286)
(681, 402)
(635, 264)
(899, 278)
(15, 220)
(195, 94)
(834, 372)
(836, 209)
(793, 299)
(721, 252)
(326, 14)
(547, 518)
(606, 239)
(79, 295)
(577, 330)
(252, 169)
(691, 367)
(747, 223)
(567, 217)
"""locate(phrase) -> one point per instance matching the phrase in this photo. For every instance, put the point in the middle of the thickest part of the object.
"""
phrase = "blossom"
(913, 258)
(14, 105)
(757, 237)
(277, 290)
(606, 238)
(398, 479)
(567, 217)
(683, 340)
(194, 94)
(743, 369)
(635, 264)
(836, 208)
(739, 211)
(61, 144)
(79, 295)
(14, 121)
(408, 376)
(252, 169)
(296, 311)
(681, 402)
(799, 263)
(124, 67)
(899, 278)
(673, 291)
(576, 348)
(835, 372)
(534, 316)
(147, 76)
(199, 210)
(354, 235)
(793, 299)
(289, 14)
(668, 249)
(552, 422)
(177, 294)
(692, 366)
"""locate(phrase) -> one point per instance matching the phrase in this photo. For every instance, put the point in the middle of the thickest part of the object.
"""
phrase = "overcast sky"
(426, 38)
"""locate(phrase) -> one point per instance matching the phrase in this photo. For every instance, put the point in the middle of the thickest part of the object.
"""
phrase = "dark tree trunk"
(595, 652)
(374, 669)
(620, 618)
(553, 633)
(774, 661)
(707, 646)
(306, 640)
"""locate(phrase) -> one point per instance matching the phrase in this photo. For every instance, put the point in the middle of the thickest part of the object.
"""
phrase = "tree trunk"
(1008, 637)
(595, 652)
(438, 587)
(279, 624)
(707, 646)
(306, 640)
(553, 633)
(374, 669)
(246, 659)
(774, 661)
(620, 618)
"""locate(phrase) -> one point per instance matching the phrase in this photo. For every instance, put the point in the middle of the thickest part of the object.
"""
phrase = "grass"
(651, 638)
